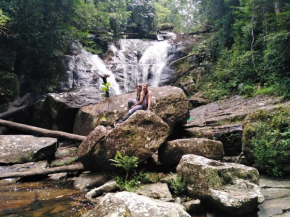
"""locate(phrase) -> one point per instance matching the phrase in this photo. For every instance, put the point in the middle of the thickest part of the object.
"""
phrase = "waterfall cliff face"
(128, 62)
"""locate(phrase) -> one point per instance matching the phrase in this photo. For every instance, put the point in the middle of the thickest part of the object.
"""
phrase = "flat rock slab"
(226, 111)
(22, 148)
(125, 204)
(276, 191)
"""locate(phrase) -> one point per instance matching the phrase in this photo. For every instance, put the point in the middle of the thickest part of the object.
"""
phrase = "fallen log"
(182, 58)
(41, 131)
(16, 107)
(36, 172)
(9, 114)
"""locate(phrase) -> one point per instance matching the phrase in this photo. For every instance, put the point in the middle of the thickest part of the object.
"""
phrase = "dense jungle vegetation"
(245, 52)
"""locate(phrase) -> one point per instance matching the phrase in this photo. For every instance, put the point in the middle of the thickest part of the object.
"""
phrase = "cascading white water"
(100, 67)
(152, 62)
(131, 62)
(138, 61)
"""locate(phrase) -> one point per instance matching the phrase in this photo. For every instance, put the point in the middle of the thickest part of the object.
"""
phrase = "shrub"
(177, 185)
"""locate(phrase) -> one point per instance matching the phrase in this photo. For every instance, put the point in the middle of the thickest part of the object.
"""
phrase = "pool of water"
(45, 198)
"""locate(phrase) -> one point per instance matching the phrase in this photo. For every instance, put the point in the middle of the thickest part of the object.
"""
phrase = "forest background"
(245, 47)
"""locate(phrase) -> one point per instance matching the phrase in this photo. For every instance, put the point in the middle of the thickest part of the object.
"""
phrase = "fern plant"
(125, 162)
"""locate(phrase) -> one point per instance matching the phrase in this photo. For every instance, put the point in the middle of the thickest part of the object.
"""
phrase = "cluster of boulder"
(194, 144)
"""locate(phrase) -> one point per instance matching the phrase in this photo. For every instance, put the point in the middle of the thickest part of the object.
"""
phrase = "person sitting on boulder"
(132, 102)
(143, 104)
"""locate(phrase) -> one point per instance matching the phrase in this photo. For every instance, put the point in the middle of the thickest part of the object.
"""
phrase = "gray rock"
(140, 136)
(57, 176)
(231, 110)
(169, 103)
(59, 110)
(91, 180)
(195, 101)
(229, 134)
(107, 187)
(276, 191)
(193, 206)
(125, 204)
(156, 191)
(171, 152)
(230, 187)
(21, 148)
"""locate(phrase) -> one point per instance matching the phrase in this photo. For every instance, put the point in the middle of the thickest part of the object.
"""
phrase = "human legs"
(131, 111)
(131, 102)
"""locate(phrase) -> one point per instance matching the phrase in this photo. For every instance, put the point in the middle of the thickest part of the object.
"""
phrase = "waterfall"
(138, 61)
(128, 62)
(100, 67)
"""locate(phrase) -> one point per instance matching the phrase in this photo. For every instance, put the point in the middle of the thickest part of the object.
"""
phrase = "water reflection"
(45, 198)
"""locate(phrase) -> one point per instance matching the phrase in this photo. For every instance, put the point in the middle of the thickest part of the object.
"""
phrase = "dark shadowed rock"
(169, 103)
(171, 152)
(125, 204)
(59, 110)
(229, 134)
(230, 187)
(141, 135)
(22, 148)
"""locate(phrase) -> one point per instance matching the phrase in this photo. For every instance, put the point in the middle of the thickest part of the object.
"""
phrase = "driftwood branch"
(239, 158)
(9, 114)
(182, 58)
(16, 107)
(41, 131)
(35, 172)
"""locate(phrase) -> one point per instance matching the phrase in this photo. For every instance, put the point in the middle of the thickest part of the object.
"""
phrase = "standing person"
(143, 104)
(132, 102)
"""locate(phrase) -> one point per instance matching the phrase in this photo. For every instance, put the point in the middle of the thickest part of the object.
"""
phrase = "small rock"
(108, 187)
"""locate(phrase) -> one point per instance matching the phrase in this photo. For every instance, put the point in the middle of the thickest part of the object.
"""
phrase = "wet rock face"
(171, 152)
(230, 187)
(169, 103)
(140, 136)
(59, 109)
(133, 205)
(22, 149)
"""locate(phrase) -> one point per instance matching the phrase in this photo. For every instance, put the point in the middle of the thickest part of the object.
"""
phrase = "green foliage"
(3, 21)
(177, 185)
(106, 89)
(271, 148)
(131, 182)
(125, 162)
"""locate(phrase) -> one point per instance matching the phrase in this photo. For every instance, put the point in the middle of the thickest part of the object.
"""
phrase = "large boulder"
(22, 148)
(169, 103)
(59, 110)
(229, 134)
(266, 139)
(91, 180)
(141, 135)
(171, 152)
(157, 191)
(228, 186)
(125, 204)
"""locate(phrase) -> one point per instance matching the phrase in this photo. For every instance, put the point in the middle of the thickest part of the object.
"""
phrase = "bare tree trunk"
(35, 172)
(182, 58)
(41, 131)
